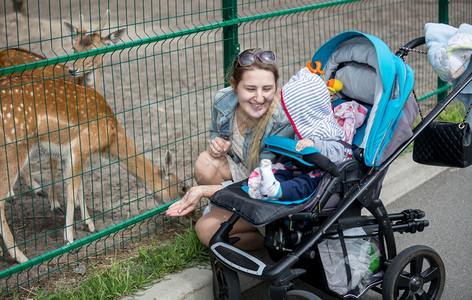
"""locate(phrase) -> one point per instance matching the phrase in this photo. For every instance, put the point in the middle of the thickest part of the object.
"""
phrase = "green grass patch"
(126, 276)
(454, 112)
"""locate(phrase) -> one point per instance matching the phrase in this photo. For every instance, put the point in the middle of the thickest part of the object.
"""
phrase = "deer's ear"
(104, 21)
(168, 161)
(71, 29)
(114, 37)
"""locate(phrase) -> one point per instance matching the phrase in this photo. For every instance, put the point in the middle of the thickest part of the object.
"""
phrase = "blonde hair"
(258, 131)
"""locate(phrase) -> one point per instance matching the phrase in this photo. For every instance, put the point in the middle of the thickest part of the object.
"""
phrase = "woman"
(243, 115)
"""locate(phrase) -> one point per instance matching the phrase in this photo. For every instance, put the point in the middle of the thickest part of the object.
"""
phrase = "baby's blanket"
(449, 52)
(449, 49)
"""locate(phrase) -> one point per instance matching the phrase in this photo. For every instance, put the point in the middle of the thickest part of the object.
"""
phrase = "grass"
(454, 112)
(127, 275)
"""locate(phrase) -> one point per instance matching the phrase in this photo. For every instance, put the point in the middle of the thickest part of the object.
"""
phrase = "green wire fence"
(158, 76)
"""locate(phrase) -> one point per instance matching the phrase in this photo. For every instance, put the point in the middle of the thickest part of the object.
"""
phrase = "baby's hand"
(302, 144)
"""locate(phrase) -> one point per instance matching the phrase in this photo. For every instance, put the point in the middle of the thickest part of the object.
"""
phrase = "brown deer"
(72, 123)
(85, 71)
(88, 75)
(18, 56)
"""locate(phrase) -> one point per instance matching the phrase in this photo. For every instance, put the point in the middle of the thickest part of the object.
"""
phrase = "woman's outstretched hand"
(187, 204)
(190, 200)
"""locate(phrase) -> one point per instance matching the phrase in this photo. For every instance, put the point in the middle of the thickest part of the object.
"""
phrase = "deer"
(86, 71)
(72, 123)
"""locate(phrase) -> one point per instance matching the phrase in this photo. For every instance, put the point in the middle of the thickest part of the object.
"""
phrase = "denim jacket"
(224, 105)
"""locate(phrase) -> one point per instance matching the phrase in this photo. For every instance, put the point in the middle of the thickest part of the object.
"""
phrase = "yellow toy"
(334, 86)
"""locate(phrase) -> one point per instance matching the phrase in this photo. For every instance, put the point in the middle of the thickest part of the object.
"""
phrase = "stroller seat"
(260, 213)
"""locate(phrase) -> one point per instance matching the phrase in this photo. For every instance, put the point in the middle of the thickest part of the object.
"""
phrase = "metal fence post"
(230, 36)
(443, 17)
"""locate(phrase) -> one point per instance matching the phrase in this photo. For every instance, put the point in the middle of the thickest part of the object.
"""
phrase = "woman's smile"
(257, 106)
(256, 92)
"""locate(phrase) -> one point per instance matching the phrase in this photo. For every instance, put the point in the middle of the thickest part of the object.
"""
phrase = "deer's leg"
(72, 190)
(55, 205)
(32, 183)
(90, 144)
(9, 175)
(80, 154)
(80, 201)
(10, 244)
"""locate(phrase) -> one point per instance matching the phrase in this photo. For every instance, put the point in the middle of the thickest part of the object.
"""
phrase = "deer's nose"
(72, 71)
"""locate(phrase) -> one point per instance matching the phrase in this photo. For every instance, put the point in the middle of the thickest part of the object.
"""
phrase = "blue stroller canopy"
(373, 75)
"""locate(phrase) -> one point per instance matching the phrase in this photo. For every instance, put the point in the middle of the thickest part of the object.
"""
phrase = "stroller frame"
(227, 259)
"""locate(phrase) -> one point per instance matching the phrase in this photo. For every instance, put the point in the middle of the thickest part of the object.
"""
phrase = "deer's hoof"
(59, 211)
(90, 228)
(41, 193)
(21, 258)
(75, 251)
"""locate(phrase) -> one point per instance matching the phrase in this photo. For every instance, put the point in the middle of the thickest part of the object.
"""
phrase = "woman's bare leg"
(250, 237)
(210, 170)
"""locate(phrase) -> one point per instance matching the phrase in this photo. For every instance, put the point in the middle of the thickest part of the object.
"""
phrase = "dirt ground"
(161, 92)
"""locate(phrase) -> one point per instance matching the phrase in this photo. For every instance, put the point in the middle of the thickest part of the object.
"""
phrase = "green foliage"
(130, 275)
(454, 112)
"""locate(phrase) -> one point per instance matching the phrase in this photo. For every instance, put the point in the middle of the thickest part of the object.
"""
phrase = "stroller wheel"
(225, 282)
(416, 272)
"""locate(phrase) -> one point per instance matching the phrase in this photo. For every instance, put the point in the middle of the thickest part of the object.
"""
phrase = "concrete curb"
(403, 176)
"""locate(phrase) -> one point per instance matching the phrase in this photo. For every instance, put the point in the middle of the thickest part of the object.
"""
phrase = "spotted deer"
(72, 123)
(86, 71)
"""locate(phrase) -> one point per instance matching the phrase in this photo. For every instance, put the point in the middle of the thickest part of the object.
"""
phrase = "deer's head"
(84, 40)
(177, 187)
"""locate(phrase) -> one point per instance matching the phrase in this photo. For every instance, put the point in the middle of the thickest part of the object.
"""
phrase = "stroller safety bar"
(246, 263)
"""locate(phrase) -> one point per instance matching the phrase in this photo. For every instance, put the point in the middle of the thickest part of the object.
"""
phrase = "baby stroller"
(326, 241)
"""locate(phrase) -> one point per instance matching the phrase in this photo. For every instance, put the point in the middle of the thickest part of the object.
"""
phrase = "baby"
(306, 101)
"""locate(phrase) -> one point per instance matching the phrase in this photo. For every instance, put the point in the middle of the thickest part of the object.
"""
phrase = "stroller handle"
(403, 51)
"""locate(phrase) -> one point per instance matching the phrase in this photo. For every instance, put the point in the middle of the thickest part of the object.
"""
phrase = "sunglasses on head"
(247, 58)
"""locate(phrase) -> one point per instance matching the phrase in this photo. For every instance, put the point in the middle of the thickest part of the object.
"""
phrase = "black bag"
(444, 144)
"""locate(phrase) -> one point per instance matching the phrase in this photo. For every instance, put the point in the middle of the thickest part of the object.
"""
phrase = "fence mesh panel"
(158, 73)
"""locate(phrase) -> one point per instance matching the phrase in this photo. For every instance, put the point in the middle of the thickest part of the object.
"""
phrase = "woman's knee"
(205, 229)
(209, 223)
(210, 170)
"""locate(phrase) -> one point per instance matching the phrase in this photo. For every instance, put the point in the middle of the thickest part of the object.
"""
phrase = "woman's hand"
(190, 200)
(187, 204)
(219, 147)
(302, 144)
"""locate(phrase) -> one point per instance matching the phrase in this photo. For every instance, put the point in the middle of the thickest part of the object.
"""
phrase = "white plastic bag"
(362, 258)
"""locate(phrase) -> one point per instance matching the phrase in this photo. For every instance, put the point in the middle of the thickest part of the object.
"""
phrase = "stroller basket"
(314, 239)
